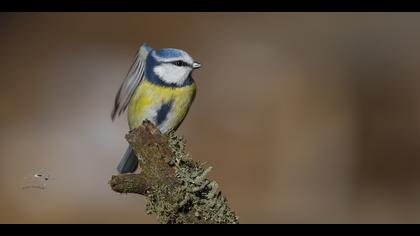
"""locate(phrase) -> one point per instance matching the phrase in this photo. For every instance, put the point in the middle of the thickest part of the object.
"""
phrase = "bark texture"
(176, 188)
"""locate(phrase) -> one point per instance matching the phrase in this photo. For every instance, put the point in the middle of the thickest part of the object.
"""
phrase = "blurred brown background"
(305, 117)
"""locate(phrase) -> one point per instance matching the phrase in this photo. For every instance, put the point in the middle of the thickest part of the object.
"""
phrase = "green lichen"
(196, 199)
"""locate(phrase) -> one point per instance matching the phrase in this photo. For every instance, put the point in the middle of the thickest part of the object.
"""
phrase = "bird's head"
(170, 65)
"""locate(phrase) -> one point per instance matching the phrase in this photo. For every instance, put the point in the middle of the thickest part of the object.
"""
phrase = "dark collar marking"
(154, 79)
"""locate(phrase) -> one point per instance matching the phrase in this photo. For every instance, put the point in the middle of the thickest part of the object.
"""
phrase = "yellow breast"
(148, 99)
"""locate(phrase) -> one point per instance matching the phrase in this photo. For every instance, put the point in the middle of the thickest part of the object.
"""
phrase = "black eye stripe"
(180, 63)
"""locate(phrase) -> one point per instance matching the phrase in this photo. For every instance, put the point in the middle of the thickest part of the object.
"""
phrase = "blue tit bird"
(158, 87)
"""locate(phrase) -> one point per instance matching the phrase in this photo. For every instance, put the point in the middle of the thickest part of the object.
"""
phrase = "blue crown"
(169, 52)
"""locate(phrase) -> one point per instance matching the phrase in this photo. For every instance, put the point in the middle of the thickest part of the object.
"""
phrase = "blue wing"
(131, 81)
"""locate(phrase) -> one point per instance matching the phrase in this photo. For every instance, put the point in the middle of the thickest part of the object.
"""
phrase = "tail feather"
(129, 162)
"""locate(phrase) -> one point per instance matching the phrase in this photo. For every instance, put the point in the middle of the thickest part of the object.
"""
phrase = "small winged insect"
(36, 181)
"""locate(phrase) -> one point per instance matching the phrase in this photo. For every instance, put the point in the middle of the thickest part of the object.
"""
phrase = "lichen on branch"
(176, 187)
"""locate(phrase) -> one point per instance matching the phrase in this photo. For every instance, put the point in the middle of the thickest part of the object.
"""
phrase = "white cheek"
(172, 74)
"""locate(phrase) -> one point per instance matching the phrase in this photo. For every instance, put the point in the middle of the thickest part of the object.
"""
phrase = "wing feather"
(131, 81)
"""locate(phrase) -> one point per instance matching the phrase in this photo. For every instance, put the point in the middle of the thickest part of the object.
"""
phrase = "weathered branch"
(176, 188)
